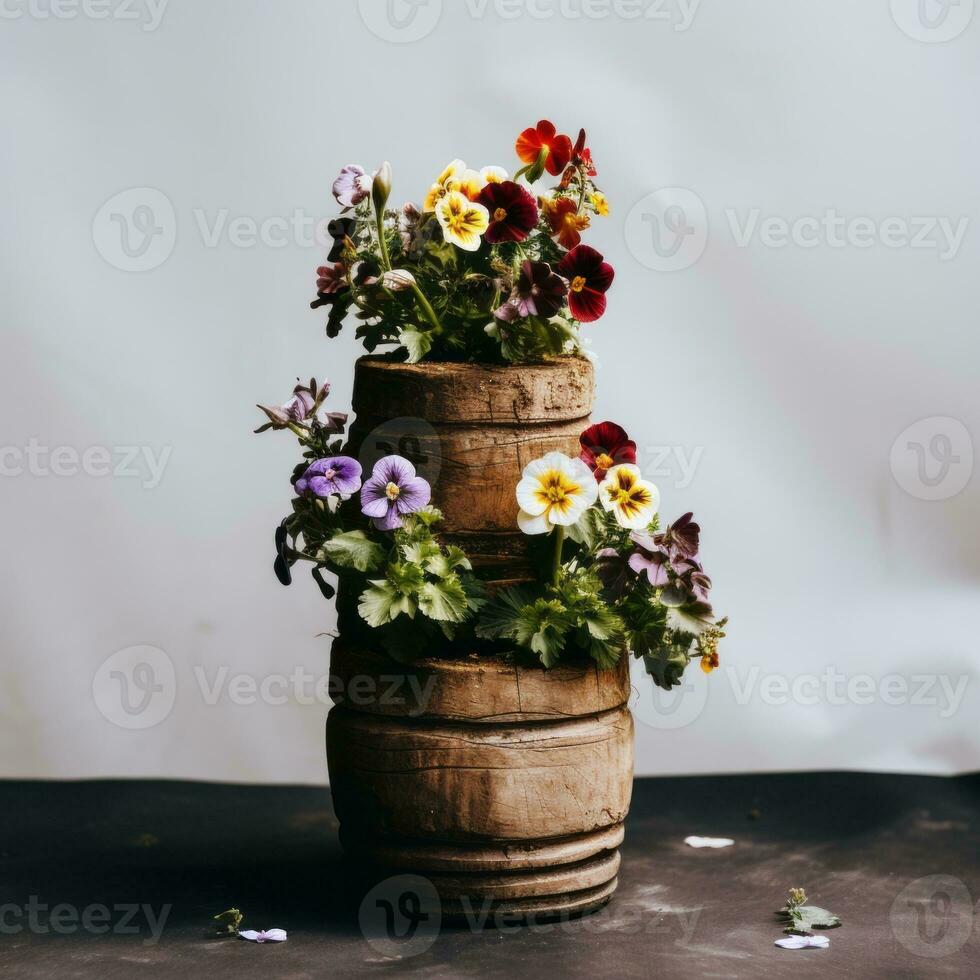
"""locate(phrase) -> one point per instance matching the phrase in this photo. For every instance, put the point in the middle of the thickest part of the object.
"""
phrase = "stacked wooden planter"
(505, 785)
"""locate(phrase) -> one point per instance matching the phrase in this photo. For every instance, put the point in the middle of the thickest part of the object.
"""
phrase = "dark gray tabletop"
(118, 879)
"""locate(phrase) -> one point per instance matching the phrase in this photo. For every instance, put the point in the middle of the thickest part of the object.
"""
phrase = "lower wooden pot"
(505, 786)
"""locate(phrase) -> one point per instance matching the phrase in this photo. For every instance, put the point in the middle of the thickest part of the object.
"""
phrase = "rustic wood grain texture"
(505, 783)
(488, 424)
(473, 688)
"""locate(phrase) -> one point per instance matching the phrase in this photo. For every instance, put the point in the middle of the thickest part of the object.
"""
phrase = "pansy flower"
(564, 220)
(456, 176)
(554, 490)
(543, 139)
(333, 475)
(604, 445)
(513, 211)
(649, 560)
(352, 185)
(331, 278)
(683, 537)
(600, 202)
(588, 279)
(462, 221)
(537, 292)
(632, 500)
(392, 491)
(304, 406)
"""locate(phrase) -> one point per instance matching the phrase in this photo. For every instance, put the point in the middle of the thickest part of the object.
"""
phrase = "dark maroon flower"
(513, 212)
(537, 292)
(682, 537)
(613, 571)
(588, 279)
(340, 229)
(605, 445)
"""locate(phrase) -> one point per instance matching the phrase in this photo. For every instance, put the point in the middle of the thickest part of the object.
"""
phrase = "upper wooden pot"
(471, 429)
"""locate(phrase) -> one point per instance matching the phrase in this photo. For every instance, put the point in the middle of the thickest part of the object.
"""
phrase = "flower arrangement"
(613, 582)
(486, 269)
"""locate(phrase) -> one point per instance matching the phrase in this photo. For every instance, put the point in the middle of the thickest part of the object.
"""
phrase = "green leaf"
(801, 919)
(416, 342)
(666, 664)
(542, 628)
(405, 577)
(444, 601)
(353, 549)
(420, 552)
(451, 559)
(693, 618)
(500, 617)
(586, 530)
(382, 602)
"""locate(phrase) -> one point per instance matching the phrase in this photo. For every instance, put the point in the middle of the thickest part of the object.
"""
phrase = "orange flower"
(557, 148)
(564, 219)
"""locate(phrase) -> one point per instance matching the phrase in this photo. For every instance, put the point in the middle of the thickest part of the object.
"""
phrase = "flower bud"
(381, 187)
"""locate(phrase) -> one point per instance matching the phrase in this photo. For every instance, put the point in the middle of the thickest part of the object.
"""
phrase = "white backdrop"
(794, 193)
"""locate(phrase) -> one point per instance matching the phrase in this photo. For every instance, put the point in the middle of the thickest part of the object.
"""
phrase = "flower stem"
(299, 431)
(430, 314)
(559, 533)
(382, 244)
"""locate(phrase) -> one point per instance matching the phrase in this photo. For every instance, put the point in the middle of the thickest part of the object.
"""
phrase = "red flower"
(543, 137)
(565, 221)
(513, 212)
(604, 446)
(588, 279)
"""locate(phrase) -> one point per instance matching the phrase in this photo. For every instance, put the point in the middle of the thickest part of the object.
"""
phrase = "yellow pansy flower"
(633, 500)
(463, 221)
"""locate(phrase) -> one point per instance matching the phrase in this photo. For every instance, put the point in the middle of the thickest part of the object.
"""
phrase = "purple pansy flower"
(305, 406)
(392, 491)
(649, 558)
(335, 474)
(537, 292)
(352, 186)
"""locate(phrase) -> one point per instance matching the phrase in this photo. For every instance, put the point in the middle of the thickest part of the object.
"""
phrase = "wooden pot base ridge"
(517, 810)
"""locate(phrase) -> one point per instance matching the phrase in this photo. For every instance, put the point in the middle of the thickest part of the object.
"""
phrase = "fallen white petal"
(803, 942)
(709, 841)
(266, 936)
